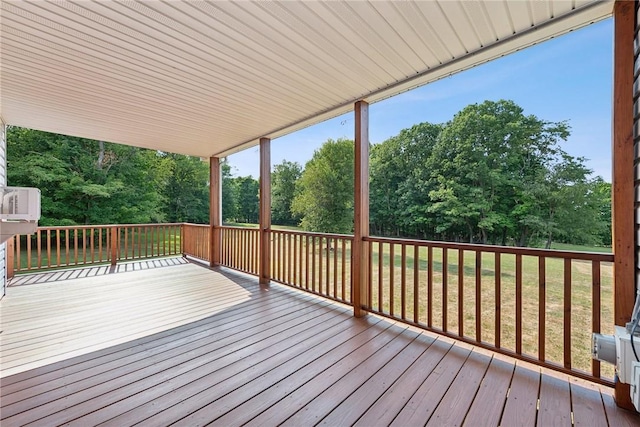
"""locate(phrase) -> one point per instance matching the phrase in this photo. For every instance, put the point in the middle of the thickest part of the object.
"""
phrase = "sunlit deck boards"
(266, 357)
(56, 315)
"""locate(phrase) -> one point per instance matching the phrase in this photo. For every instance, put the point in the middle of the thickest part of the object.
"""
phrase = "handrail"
(552, 253)
(87, 227)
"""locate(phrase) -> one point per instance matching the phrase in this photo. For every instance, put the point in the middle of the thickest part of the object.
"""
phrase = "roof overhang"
(210, 78)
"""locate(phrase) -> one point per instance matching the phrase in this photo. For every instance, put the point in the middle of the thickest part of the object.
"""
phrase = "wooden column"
(215, 211)
(360, 250)
(265, 210)
(623, 173)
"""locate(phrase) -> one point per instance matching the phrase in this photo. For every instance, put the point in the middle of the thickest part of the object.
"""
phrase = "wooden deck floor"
(216, 348)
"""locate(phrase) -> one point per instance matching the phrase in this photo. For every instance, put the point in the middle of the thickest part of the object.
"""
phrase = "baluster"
(518, 304)
(460, 292)
(416, 275)
(430, 286)
(479, 296)
(403, 281)
(567, 313)
(498, 288)
(542, 305)
(391, 279)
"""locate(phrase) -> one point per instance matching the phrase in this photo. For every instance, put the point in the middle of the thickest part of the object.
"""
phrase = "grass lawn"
(581, 248)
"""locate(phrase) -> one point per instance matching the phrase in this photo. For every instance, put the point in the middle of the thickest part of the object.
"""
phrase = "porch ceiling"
(209, 78)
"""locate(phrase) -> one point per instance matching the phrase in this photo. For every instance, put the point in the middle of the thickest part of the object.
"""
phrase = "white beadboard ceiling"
(211, 77)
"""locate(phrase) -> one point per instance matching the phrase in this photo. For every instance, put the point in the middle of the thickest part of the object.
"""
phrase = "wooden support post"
(215, 211)
(265, 210)
(360, 250)
(115, 242)
(624, 244)
(10, 251)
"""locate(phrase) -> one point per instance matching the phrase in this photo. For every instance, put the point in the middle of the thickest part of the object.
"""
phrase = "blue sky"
(567, 78)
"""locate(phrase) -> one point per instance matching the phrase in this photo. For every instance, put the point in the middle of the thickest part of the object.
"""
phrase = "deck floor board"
(587, 405)
(521, 404)
(487, 407)
(555, 401)
(184, 345)
(358, 402)
(456, 402)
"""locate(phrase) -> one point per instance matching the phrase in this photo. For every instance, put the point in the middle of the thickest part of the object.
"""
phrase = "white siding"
(3, 182)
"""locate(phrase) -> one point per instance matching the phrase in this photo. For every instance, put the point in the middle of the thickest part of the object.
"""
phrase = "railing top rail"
(550, 253)
(312, 234)
(88, 227)
(190, 224)
(292, 232)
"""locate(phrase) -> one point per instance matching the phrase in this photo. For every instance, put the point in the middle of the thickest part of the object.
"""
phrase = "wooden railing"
(537, 305)
(239, 249)
(316, 262)
(196, 241)
(533, 304)
(58, 247)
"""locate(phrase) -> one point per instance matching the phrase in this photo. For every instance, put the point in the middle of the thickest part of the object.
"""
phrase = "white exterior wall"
(3, 182)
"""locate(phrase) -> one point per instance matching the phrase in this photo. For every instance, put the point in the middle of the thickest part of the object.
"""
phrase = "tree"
(186, 192)
(573, 208)
(283, 186)
(482, 159)
(87, 182)
(324, 196)
(400, 181)
(229, 202)
(247, 199)
(601, 191)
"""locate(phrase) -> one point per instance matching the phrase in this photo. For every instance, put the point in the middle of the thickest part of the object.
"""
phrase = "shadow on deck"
(192, 346)
(93, 271)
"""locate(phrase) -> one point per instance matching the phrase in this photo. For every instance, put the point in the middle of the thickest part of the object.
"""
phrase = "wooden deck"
(188, 346)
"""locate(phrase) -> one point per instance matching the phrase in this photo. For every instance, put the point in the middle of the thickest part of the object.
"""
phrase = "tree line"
(490, 175)
(94, 182)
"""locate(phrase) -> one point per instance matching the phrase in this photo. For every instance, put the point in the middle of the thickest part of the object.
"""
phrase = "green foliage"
(490, 175)
(87, 182)
(186, 191)
(283, 188)
(480, 162)
(240, 197)
(229, 202)
(324, 196)
(400, 182)
(247, 199)
(601, 192)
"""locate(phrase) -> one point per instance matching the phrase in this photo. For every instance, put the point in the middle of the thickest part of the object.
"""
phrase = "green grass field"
(581, 248)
